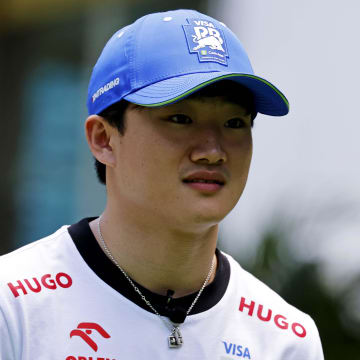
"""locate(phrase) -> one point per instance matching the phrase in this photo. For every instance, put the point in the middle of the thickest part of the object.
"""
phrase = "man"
(171, 104)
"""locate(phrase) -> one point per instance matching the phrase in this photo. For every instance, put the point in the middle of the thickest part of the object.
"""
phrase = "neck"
(158, 257)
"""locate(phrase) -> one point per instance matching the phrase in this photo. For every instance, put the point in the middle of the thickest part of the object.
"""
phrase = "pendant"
(175, 339)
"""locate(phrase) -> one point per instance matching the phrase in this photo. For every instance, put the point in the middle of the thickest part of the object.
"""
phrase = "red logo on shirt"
(47, 281)
(279, 320)
(88, 327)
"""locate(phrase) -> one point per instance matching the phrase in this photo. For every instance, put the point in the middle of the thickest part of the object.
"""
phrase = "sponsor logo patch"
(83, 331)
(266, 315)
(207, 41)
(236, 351)
(36, 285)
(105, 88)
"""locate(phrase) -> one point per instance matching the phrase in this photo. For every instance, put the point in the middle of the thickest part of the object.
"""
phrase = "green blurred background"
(47, 50)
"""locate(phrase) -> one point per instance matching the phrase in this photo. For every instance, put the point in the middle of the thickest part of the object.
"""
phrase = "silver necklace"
(175, 339)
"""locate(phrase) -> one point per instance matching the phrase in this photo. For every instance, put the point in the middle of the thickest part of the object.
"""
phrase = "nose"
(207, 148)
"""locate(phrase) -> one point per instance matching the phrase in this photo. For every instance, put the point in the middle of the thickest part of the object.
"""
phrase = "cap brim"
(268, 99)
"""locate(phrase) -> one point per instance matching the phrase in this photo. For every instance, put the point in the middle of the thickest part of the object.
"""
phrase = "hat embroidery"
(207, 41)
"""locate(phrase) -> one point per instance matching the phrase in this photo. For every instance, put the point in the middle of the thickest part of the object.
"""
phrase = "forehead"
(229, 91)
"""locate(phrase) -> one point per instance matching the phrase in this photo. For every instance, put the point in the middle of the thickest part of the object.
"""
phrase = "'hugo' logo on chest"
(267, 315)
(35, 285)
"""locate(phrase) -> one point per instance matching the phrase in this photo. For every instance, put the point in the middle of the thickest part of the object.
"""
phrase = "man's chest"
(97, 327)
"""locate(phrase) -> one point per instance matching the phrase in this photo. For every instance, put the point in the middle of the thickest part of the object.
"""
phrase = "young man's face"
(186, 163)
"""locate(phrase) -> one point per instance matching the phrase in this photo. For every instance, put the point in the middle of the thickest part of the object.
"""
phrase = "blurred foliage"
(300, 283)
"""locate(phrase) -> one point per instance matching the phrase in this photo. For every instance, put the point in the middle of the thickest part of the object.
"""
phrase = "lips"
(208, 177)
(203, 181)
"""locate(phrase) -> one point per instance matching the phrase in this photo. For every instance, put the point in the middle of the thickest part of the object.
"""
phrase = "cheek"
(148, 166)
(249, 151)
(243, 150)
(241, 162)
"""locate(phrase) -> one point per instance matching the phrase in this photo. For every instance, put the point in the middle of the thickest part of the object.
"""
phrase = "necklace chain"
(175, 339)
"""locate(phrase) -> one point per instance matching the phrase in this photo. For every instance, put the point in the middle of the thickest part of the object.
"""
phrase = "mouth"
(205, 181)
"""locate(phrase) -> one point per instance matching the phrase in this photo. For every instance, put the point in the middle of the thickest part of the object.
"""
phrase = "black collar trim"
(103, 267)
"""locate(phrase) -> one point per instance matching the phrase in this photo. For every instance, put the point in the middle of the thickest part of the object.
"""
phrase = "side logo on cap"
(207, 41)
(105, 88)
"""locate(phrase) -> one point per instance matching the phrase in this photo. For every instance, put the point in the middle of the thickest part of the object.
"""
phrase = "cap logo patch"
(105, 88)
(207, 41)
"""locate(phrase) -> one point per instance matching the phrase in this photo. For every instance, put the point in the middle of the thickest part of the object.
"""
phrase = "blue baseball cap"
(164, 57)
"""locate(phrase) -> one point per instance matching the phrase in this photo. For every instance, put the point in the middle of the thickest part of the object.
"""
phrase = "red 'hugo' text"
(86, 358)
(35, 285)
(279, 320)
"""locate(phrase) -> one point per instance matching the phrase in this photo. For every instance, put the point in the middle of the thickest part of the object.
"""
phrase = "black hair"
(232, 91)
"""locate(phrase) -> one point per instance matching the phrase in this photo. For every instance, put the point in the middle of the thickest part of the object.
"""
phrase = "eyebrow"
(226, 99)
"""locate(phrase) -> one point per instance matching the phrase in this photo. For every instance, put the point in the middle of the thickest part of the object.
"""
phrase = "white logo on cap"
(105, 88)
(209, 41)
(207, 36)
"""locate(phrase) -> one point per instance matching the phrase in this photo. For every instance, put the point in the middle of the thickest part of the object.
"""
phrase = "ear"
(98, 134)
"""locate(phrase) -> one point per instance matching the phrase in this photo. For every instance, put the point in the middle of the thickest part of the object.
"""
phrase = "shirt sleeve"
(312, 348)
(6, 346)
(317, 350)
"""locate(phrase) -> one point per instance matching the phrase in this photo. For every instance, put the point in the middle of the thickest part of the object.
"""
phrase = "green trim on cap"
(214, 80)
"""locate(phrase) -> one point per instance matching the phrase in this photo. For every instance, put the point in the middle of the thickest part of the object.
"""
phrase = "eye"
(179, 119)
(235, 123)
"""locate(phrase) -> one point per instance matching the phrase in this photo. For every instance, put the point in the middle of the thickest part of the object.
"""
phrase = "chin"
(205, 212)
(209, 217)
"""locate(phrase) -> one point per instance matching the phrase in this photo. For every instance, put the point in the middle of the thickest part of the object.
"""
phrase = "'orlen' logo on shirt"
(207, 41)
(89, 327)
(83, 331)
(36, 285)
(279, 320)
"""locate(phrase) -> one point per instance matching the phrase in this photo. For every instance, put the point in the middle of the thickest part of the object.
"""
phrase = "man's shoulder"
(35, 280)
(31, 260)
(252, 286)
(266, 313)
(258, 300)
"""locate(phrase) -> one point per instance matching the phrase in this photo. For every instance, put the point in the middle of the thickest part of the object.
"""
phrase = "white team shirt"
(56, 305)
